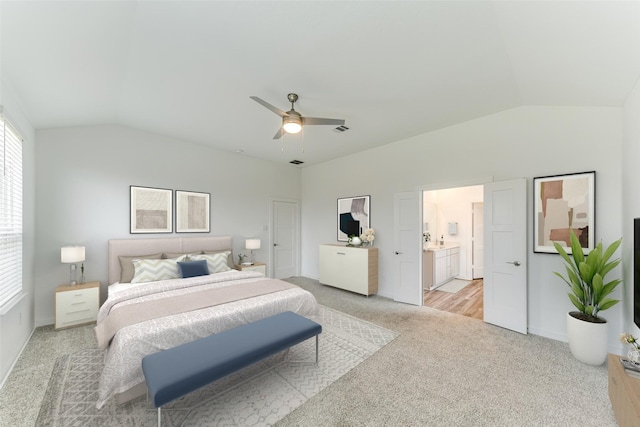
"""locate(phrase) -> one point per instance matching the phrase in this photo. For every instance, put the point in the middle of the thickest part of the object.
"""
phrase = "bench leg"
(316, 349)
(159, 417)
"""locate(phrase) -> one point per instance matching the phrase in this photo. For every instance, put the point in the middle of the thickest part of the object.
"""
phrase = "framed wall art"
(151, 210)
(561, 203)
(192, 212)
(353, 216)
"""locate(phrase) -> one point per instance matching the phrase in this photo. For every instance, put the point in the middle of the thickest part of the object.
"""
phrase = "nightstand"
(260, 267)
(76, 304)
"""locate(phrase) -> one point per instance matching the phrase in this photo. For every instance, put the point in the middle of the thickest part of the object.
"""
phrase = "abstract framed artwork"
(151, 210)
(353, 216)
(192, 212)
(561, 203)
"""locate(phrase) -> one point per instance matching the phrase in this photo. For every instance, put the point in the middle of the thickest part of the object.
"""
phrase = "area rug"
(454, 286)
(259, 395)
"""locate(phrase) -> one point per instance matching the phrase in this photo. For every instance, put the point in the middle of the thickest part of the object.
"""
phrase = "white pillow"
(153, 270)
(217, 263)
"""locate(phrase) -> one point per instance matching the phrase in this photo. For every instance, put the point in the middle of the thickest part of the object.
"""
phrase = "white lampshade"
(292, 124)
(72, 254)
(252, 244)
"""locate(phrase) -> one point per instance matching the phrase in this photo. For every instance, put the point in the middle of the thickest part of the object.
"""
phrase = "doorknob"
(516, 263)
(398, 253)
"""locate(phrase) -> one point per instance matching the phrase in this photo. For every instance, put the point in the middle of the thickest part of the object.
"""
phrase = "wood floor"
(467, 302)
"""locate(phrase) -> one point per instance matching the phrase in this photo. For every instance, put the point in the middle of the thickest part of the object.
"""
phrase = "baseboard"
(13, 364)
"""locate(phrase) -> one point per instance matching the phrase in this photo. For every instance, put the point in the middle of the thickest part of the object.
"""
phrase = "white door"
(505, 242)
(477, 241)
(408, 247)
(285, 238)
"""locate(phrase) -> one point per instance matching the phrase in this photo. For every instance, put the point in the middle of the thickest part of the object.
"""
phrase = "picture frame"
(354, 216)
(193, 212)
(151, 210)
(563, 202)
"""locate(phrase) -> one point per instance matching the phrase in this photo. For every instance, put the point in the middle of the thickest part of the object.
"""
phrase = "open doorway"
(453, 250)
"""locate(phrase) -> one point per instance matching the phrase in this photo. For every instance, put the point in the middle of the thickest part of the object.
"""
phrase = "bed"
(143, 318)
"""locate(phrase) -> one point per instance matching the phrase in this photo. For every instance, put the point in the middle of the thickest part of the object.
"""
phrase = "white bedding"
(123, 371)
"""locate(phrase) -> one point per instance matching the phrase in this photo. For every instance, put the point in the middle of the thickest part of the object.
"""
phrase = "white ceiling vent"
(341, 128)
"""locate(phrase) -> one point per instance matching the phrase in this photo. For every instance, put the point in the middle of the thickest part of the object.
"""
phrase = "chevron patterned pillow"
(152, 270)
(217, 263)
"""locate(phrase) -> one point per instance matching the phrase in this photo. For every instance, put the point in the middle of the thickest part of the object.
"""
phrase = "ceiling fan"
(292, 121)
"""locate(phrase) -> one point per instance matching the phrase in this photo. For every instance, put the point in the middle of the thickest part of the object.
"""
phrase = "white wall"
(83, 178)
(17, 322)
(631, 198)
(521, 142)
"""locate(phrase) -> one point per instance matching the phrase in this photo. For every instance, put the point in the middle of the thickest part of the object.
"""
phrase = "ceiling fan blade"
(319, 121)
(269, 106)
(278, 134)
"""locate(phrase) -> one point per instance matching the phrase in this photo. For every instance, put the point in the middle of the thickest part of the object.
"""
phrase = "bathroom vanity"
(440, 264)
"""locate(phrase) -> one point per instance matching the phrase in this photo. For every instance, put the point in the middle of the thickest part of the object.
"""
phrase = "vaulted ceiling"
(392, 69)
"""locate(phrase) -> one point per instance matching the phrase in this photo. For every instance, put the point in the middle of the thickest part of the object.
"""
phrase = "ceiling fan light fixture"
(292, 124)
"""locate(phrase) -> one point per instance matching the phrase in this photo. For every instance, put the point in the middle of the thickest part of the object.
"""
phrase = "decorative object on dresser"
(368, 236)
(349, 268)
(192, 212)
(354, 241)
(353, 216)
(72, 255)
(589, 293)
(260, 267)
(151, 210)
(252, 244)
(634, 353)
(624, 393)
(563, 203)
(76, 304)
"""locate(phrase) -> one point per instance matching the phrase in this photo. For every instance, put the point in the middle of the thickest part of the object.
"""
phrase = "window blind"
(10, 212)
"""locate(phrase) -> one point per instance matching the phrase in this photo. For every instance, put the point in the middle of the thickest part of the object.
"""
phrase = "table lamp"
(252, 244)
(72, 255)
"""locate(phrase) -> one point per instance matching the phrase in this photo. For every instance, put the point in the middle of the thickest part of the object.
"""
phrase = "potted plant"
(589, 293)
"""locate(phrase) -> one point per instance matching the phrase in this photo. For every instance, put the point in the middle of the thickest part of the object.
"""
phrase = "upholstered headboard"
(133, 247)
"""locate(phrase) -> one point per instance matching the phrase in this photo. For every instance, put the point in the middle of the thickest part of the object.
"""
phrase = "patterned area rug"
(259, 395)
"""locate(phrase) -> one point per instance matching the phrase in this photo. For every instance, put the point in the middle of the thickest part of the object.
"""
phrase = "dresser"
(76, 304)
(353, 269)
(624, 393)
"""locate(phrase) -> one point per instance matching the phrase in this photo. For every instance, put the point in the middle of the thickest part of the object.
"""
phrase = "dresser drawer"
(76, 306)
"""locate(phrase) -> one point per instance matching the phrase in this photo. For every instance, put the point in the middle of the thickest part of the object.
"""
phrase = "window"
(10, 212)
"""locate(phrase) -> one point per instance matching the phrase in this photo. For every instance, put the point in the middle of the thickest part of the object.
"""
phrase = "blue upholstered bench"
(173, 373)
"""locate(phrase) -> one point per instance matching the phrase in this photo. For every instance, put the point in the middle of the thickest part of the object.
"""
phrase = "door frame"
(297, 240)
(445, 186)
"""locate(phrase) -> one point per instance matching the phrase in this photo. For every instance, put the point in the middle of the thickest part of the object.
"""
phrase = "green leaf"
(586, 272)
(576, 302)
(597, 287)
(608, 303)
(576, 248)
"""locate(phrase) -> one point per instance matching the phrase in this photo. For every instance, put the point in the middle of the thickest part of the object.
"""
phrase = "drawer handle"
(73, 322)
(78, 311)
(78, 303)
(340, 253)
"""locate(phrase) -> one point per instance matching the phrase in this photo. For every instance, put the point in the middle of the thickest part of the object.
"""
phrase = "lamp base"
(73, 268)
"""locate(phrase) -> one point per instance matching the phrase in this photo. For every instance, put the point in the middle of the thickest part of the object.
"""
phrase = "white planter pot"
(587, 341)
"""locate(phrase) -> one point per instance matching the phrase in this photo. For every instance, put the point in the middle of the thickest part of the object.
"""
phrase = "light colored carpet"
(442, 370)
(257, 396)
(453, 286)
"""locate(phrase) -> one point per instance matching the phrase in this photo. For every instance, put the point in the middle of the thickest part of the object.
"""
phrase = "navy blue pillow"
(193, 268)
